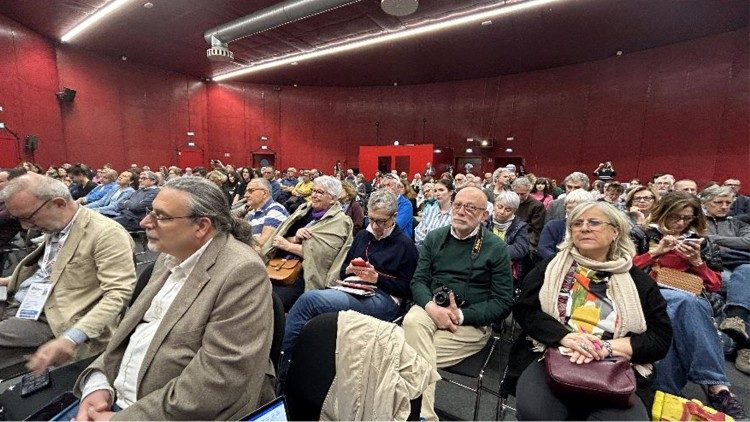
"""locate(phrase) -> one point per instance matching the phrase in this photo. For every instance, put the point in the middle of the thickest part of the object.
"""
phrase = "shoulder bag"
(284, 271)
(609, 381)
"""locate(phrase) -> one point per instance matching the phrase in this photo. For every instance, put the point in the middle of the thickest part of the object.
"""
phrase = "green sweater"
(484, 283)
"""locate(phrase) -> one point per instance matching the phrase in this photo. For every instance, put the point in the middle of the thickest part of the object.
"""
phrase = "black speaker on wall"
(67, 95)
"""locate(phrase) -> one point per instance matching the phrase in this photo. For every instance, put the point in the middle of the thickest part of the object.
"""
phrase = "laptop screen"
(274, 410)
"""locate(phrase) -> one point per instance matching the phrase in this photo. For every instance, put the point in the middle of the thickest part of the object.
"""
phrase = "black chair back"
(279, 322)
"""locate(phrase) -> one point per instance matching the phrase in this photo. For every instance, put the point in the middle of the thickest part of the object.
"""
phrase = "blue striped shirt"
(271, 214)
(431, 220)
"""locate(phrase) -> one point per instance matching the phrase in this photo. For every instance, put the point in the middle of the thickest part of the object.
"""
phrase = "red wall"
(419, 156)
(683, 108)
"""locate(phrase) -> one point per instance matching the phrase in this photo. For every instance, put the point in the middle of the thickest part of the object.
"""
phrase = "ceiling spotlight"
(508, 149)
(123, 57)
(395, 142)
(484, 143)
(295, 85)
(469, 150)
(485, 23)
(399, 7)
(509, 138)
(619, 52)
(437, 151)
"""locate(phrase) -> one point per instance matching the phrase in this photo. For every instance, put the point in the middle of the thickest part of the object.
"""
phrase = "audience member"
(575, 180)
(623, 315)
(106, 185)
(674, 238)
(287, 184)
(318, 233)
(613, 195)
(405, 216)
(81, 186)
(436, 216)
(542, 191)
(605, 171)
(686, 185)
(733, 238)
(351, 207)
(468, 266)
(501, 178)
(530, 210)
(134, 209)
(664, 184)
(269, 174)
(232, 187)
(9, 225)
(124, 190)
(416, 183)
(741, 205)
(554, 231)
(301, 192)
(84, 267)
(513, 231)
(640, 202)
(196, 343)
(426, 198)
(390, 260)
(265, 215)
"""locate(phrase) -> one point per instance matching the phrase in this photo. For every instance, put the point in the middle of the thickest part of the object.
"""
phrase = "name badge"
(3, 293)
(33, 304)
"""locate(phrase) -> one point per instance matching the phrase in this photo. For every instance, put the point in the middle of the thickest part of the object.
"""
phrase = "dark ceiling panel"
(170, 36)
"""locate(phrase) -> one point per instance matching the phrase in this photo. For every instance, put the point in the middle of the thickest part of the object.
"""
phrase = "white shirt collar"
(473, 233)
(188, 264)
(386, 232)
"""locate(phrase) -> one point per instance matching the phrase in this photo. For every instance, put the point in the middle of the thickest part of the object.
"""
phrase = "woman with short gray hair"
(318, 233)
(513, 230)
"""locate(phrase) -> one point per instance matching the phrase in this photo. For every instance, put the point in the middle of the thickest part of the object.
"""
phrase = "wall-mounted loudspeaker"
(67, 95)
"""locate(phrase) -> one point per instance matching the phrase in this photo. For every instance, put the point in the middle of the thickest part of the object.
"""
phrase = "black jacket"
(648, 347)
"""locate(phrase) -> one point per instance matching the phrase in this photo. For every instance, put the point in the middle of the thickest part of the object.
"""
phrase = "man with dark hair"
(82, 185)
(195, 345)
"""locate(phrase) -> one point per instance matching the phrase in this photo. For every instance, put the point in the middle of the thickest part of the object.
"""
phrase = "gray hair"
(41, 187)
(522, 181)
(383, 200)
(714, 191)
(498, 171)
(509, 199)
(263, 182)
(622, 246)
(579, 177)
(579, 195)
(428, 185)
(150, 174)
(330, 184)
(205, 199)
(665, 178)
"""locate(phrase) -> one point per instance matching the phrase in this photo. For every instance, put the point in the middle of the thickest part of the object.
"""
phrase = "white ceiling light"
(353, 44)
(93, 19)
(438, 151)
(395, 142)
(469, 150)
(508, 149)
(399, 7)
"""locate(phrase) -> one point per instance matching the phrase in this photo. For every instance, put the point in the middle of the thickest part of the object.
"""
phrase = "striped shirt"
(432, 219)
(271, 214)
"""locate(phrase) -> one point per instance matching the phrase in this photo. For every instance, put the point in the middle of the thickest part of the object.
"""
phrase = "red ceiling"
(170, 36)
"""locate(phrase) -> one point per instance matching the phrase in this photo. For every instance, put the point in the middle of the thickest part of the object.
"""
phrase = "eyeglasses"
(592, 224)
(31, 216)
(150, 213)
(251, 190)
(380, 221)
(643, 198)
(318, 192)
(685, 219)
(471, 209)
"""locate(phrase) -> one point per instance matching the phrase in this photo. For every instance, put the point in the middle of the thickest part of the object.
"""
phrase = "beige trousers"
(440, 347)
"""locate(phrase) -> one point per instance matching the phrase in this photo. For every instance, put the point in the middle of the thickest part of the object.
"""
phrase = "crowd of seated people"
(476, 239)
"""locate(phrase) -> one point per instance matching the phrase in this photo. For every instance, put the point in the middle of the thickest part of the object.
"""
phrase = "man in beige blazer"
(86, 260)
(196, 343)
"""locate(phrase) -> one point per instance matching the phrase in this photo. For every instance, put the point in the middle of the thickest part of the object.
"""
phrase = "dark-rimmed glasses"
(150, 213)
(28, 218)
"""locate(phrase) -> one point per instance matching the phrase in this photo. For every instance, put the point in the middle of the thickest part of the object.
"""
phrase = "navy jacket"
(552, 234)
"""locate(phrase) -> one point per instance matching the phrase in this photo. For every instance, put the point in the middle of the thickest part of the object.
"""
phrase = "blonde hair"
(622, 246)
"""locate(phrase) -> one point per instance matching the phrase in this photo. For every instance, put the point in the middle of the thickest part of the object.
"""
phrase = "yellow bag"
(668, 407)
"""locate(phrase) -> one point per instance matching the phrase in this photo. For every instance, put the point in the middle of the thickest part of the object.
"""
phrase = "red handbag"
(609, 381)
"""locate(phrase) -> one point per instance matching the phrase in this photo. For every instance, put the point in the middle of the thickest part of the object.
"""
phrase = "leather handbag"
(284, 271)
(609, 381)
(677, 280)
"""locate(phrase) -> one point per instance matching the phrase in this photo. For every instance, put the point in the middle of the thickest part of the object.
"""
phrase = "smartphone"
(31, 383)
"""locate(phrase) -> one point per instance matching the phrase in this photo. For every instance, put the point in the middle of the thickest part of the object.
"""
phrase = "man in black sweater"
(381, 257)
(472, 263)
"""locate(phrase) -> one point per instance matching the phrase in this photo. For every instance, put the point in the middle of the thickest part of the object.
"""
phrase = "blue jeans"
(315, 302)
(737, 284)
(696, 352)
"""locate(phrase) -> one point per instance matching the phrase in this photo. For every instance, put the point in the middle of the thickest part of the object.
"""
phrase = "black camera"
(441, 297)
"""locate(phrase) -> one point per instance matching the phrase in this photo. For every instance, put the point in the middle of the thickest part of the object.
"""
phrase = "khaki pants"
(440, 347)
